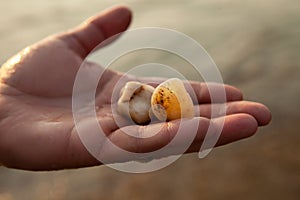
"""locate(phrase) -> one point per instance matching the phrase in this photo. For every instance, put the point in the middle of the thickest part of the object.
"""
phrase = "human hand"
(37, 130)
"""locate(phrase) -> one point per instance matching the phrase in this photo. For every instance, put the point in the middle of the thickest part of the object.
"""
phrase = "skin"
(36, 123)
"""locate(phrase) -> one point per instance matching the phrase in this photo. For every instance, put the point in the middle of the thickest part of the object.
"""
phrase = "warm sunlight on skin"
(17, 58)
(9, 67)
(14, 60)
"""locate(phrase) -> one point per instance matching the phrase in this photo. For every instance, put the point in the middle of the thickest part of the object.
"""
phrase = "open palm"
(37, 129)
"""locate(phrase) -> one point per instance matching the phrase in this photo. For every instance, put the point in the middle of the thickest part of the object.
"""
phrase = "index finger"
(202, 92)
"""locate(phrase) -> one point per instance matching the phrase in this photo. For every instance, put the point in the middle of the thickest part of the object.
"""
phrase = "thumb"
(84, 38)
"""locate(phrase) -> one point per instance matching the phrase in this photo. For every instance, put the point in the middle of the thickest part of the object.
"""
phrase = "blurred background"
(256, 45)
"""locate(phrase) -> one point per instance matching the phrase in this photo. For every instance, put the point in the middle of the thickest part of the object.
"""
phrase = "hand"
(36, 124)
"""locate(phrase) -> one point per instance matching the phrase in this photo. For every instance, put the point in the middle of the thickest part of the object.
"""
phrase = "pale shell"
(134, 101)
(171, 101)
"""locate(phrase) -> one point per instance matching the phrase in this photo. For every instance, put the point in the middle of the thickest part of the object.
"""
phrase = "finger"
(235, 127)
(259, 111)
(147, 139)
(95, 30)
(202, 92)
(213, 92)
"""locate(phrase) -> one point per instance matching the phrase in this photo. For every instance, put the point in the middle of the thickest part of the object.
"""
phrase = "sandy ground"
(256, 46)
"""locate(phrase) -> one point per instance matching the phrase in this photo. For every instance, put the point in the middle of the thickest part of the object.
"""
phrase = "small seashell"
(135, 101)
(170, 101)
